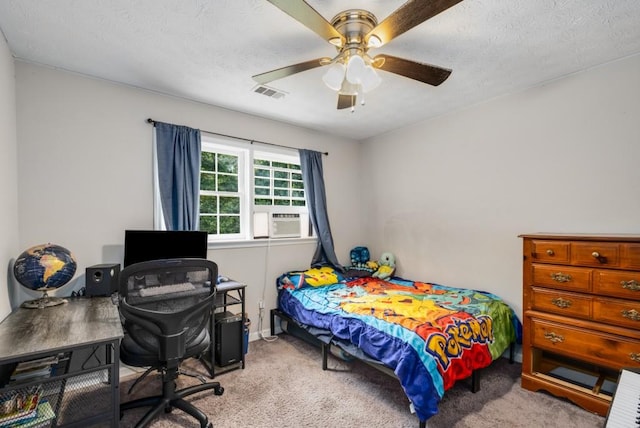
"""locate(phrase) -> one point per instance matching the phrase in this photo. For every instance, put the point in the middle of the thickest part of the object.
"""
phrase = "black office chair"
(166, 307)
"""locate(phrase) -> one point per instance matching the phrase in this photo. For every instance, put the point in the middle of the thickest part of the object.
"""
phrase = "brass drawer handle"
(554, 338)
(635, 357)
(632, 285)
(561, 303)
(601, 259)
(550, 253)
(632, 314)
(561, 277)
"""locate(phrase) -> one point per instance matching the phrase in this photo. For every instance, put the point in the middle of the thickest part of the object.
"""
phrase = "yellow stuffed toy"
(317, 277)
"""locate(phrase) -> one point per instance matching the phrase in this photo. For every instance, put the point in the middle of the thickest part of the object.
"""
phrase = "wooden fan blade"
(346, 101)
(426, 73)
(309, 17)
(279, 73)
(407, 16)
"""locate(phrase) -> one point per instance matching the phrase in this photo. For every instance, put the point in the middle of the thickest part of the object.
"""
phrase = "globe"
(43, 268)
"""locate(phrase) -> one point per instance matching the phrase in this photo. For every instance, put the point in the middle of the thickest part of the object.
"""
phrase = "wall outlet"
(261, 304)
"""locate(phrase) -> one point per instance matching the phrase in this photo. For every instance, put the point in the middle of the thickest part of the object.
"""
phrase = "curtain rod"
(153, 122)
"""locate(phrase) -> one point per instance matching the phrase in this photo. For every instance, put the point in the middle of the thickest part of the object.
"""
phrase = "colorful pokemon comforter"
(429, 334)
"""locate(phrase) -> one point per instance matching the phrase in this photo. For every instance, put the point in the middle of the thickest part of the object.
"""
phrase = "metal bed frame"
(327, 341)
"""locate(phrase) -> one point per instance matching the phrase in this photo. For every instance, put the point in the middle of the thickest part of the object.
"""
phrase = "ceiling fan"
(353, 32)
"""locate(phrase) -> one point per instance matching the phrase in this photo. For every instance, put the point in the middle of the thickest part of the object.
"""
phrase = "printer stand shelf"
(77, 381)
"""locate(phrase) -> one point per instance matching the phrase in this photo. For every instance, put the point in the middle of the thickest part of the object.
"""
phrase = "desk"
(85, 334)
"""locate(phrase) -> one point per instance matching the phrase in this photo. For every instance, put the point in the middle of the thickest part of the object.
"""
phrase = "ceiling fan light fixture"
(374, 41)
(359, 73)
(355, 69)
(370, 79)
(334, 76)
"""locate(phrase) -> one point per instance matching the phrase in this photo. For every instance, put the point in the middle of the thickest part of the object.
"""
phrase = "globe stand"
(45, 301)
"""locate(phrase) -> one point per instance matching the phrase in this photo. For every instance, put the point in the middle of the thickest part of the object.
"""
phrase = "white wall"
(85, 171)
(453, 193)
(8, 175)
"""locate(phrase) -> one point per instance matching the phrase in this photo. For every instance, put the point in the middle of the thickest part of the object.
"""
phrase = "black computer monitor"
(144, 245)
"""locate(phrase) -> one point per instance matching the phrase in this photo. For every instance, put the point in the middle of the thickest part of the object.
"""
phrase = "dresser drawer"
(617, 283)
(630, 256)
(559, 302)
(603, 254)
(562, 277)
(604, 349)
(550, 251)
(618, 312)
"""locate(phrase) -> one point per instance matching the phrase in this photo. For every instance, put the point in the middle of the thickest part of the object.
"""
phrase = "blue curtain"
(178, 152)
(312, 175)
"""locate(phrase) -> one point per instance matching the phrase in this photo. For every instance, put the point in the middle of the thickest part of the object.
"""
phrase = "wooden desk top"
(81, 321)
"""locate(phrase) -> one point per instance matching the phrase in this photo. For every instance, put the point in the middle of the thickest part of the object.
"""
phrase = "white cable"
(264, 288)
(262, 336)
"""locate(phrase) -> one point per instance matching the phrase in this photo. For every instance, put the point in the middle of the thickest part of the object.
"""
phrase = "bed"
(428, 335)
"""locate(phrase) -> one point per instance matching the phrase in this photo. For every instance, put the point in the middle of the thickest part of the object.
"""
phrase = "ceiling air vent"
(269, 92)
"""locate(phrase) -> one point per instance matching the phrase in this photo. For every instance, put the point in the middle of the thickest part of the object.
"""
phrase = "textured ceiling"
(207, 50)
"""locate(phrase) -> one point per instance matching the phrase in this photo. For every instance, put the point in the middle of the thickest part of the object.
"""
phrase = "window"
(250, 192)
(221, 191)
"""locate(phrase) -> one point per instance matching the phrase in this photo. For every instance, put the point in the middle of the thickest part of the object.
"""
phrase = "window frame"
(273, 157)
(246, 185)
(209, 145)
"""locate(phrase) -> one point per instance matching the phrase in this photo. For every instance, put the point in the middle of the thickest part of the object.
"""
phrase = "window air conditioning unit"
(284, 225)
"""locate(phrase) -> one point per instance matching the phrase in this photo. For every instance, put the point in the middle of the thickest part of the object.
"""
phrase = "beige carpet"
(283, 385)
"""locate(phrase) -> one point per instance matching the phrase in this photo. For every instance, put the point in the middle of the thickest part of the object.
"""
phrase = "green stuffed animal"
(386, 266)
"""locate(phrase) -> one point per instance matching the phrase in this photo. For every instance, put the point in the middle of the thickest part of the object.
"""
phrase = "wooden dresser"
(581, 321)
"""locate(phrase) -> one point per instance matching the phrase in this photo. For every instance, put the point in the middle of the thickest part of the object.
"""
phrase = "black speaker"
(229, 337)
(102, 280)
